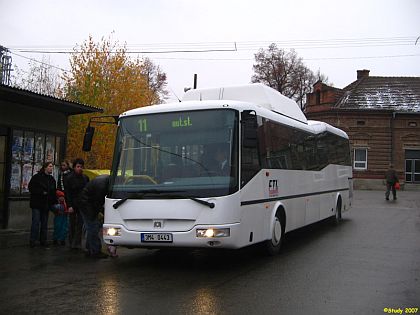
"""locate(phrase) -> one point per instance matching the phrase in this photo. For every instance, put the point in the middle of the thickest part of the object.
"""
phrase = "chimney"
(362, 74)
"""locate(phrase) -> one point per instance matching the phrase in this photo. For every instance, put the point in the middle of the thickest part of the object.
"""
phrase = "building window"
(29, 151)
(412, 166)
(360, 159)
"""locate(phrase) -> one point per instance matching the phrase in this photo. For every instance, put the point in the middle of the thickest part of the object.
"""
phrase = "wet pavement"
(371, 261)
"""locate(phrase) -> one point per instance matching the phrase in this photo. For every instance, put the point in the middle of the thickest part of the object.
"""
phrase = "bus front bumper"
(201, 236)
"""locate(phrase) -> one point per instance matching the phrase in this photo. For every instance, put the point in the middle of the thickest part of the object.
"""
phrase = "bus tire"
(337, 217)
(273, 245)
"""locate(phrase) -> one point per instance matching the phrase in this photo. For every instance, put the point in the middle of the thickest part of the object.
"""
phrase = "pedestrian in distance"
(391, 179)
(42, 187)
(74, 184)
(92, 204)
(60, 219)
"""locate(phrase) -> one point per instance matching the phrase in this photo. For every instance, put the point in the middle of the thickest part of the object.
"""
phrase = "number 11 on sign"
(142, 125)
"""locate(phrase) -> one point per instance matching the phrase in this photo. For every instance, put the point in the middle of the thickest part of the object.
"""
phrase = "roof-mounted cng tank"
(256, 93)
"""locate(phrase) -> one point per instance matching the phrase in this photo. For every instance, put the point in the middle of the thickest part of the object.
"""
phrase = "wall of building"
(406, 135)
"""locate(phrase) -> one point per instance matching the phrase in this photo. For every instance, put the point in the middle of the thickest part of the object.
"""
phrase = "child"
(60, 220)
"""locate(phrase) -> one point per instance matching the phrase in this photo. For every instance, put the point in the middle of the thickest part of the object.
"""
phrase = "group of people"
(76, 203)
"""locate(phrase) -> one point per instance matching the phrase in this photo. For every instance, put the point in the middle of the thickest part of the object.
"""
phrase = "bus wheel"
(337, 217)
(272, 246)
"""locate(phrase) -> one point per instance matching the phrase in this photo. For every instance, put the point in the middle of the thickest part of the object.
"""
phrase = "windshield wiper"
(120, 202)
(140, 195)
(160, 192)
(203, 202)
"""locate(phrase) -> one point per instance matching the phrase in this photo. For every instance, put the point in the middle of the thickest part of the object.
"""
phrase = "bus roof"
(320, 126)
(256, 93)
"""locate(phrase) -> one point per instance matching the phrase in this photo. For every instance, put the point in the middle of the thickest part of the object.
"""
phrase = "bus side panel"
(328, 202)
(312, 205)
(254, 216)
(306, 196)
(252, 224)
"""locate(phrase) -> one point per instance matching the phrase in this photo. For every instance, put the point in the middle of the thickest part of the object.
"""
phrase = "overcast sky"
(336, 37)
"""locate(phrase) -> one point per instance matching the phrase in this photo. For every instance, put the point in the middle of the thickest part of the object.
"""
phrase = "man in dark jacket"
(74, 183)
(391, 178)
(42, 187)
(92, 203)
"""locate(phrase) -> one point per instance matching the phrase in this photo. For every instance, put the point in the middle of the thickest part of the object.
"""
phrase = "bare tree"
(284, 71)
(156, 80)
(41, 77)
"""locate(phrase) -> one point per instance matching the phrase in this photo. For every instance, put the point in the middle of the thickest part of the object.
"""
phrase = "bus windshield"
(176, 154)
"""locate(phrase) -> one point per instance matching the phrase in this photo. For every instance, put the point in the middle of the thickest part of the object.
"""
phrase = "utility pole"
(195, 81)
(194, 85)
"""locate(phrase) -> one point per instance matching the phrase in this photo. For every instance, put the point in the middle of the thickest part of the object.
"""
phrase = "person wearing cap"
(60, 219)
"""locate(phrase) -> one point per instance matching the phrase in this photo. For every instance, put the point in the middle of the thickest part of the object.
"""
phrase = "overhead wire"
(321, 58)
(41, 62)
(196, 47)
(209, 47)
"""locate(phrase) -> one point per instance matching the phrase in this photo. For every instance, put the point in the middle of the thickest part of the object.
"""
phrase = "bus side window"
(250, 164)
(250, 155)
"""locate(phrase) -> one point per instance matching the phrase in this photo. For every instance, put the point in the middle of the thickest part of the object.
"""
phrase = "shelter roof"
(32, 99)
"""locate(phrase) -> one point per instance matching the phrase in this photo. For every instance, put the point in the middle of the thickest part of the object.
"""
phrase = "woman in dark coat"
(42, 187)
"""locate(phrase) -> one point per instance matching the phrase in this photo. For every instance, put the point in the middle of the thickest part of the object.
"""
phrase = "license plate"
(156, 237)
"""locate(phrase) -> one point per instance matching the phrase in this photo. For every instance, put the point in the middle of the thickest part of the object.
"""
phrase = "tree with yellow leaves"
(102, 75)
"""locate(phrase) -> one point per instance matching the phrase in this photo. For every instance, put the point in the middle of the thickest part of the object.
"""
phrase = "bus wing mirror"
(87, 139)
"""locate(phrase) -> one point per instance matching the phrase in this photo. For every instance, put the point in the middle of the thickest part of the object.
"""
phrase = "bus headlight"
(208, 233)
(111, 231)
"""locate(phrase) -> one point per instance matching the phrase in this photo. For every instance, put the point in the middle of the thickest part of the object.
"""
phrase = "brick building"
(381, 115)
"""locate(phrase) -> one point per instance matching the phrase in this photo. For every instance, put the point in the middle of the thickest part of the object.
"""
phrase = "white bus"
(224, 168)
